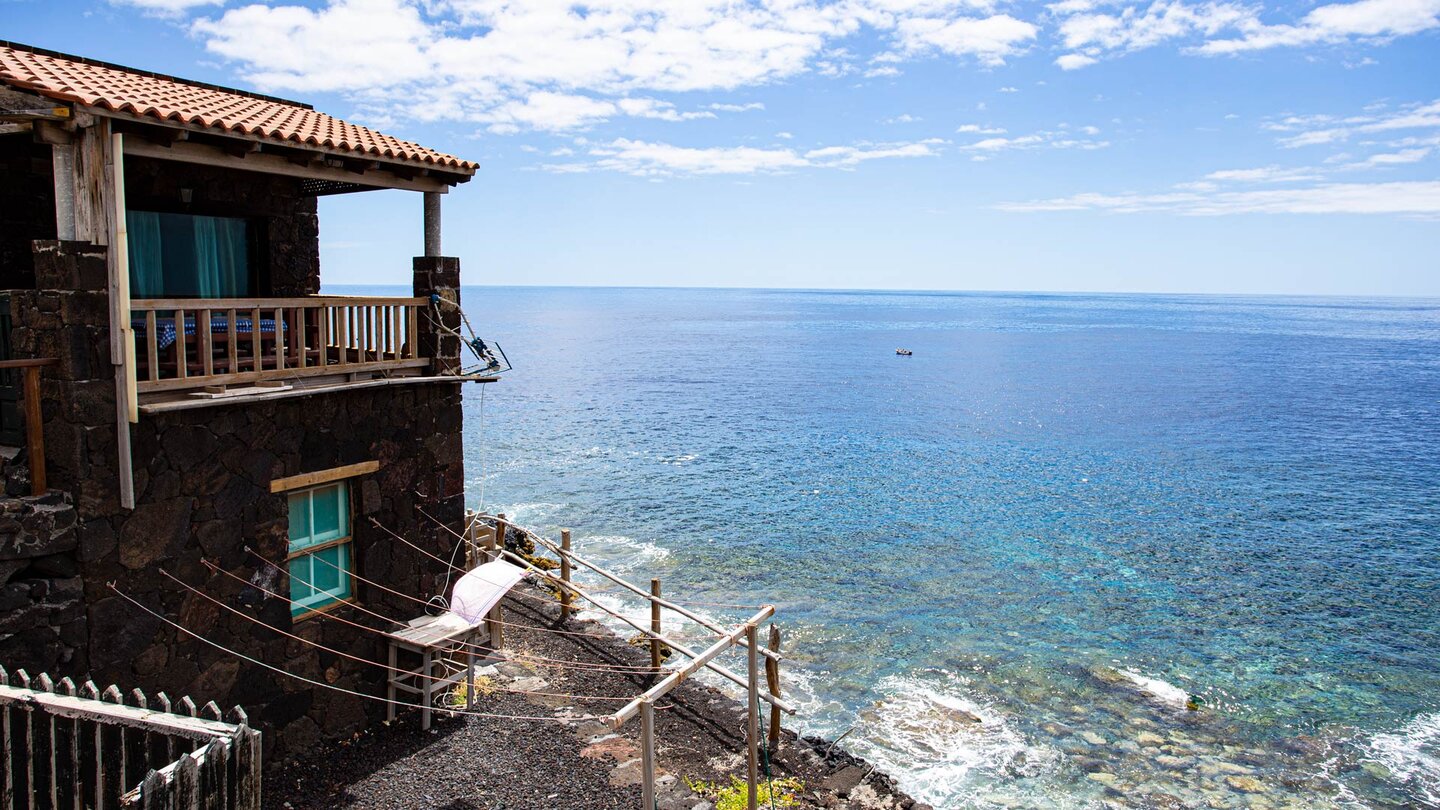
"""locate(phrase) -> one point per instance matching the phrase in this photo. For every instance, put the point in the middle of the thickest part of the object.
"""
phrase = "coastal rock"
(1092, 738)
(1245, 784)
(1148, 738)
(1105, 778)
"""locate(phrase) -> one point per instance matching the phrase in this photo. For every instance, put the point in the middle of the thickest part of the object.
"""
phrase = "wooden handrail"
(145, 304)
(34, 428)
(36, 362)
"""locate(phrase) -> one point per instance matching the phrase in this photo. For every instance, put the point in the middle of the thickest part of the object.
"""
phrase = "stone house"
(209, 416)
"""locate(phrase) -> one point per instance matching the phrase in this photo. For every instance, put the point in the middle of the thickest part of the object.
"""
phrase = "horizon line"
(921, 291)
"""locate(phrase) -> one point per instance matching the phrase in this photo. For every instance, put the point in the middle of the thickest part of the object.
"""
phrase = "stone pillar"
(440, 276)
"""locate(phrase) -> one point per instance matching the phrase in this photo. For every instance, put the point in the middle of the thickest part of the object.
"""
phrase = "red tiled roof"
(197, 105)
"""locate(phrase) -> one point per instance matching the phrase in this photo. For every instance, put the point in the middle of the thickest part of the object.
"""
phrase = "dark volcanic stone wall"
(27, 206)
(202, 481)
(42, 611)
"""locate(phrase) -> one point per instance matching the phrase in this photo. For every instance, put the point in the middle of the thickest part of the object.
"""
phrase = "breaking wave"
(1412, 757)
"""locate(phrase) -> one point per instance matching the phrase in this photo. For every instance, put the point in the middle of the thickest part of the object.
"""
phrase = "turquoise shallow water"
(1007, 560)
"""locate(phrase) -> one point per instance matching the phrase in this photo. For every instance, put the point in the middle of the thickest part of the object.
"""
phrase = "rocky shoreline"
(564, 764)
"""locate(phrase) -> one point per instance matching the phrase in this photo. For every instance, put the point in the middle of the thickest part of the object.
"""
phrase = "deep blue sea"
(1009, 561)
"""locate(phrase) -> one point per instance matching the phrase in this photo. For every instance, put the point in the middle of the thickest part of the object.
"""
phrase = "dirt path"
(471, 762)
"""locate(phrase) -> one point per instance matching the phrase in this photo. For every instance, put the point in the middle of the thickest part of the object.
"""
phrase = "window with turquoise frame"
(320, 560)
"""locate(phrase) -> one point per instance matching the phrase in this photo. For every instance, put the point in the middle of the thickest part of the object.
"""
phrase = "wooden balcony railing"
(185, 343)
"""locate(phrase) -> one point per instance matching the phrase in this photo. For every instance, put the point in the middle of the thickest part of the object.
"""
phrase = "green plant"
(769, 793)
(483, 686)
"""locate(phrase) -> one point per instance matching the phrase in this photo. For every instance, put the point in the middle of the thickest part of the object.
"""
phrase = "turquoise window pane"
(300, 578)
(329, 512)
(299, 520)
(326, 570)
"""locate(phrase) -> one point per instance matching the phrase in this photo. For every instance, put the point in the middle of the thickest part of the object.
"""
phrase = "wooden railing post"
(34, 431)
(566, 597)
(752, 720)
(772, 678)
(497, 628)
(655, 625)
(647, 754)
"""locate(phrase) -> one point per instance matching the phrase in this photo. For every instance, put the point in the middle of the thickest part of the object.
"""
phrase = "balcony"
(190, 348)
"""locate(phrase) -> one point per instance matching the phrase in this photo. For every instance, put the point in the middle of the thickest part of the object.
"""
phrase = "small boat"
(904, 352)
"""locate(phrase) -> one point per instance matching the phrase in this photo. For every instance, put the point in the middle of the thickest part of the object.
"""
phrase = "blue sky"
(925, 144)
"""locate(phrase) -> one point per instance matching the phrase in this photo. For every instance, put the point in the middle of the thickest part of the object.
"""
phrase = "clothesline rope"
(363, 660)
(553, 662)
(468, 713)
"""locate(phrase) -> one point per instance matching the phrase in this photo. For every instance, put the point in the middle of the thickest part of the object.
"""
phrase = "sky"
(1075, 145)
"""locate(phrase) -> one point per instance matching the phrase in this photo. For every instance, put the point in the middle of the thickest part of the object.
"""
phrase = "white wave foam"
(1162, 691)
(934, 735)
(619, 552)
(1412, 756)
(528, 514)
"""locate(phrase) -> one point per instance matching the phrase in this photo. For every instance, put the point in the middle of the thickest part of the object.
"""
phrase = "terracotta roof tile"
(110, 87)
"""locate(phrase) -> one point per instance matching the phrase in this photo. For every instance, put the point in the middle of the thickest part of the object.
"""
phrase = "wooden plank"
(752, 719)
(34, 431)
(318, 477)
(396, 341)
(182, 360)
(187, 783)
(566, 598)
(144, 304)
(283, 375)
(247, 769)
(111, 714)
(772, 680)
(206, 155)
(205, 341)
(412, 315)
(324, 330)
(279, 319)
(297, 334)
(256, 358)
(647, 754)
(152, 346)
(655, 625)
(288, 392)
(232, 352)
(342, 325)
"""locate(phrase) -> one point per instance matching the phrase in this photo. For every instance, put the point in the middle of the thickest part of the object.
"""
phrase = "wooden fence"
(69, 747)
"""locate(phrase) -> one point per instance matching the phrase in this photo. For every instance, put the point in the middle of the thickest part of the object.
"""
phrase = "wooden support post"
(655, 625)
(647, 754)
(772, 678)
(34, 431)
(497, 616)
(432, 223)
(471, 548)
(566, 597)
(752, 720)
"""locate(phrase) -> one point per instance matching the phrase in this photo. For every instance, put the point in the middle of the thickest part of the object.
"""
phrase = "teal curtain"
(183, 256)
(221, 260)
(147, 269)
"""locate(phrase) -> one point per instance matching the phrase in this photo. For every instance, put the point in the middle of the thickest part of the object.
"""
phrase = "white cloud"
(976, 129)
(1267, 174)
(735, 108)
(1314, 130)
(1400, 158)
(1074, 61)
(1090, 34)
(989, 39)
(167, 8)
(1008, 90)
(1336, 22)
(786, 135)
(1056, 139)
(1415, 198)
(516, 64)
(648, 159)
(903, 118)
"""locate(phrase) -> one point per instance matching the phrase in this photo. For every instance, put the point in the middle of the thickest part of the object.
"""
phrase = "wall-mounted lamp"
(186, 194)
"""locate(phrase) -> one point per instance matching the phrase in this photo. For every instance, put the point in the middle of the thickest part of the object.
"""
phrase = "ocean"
(1162, 551)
